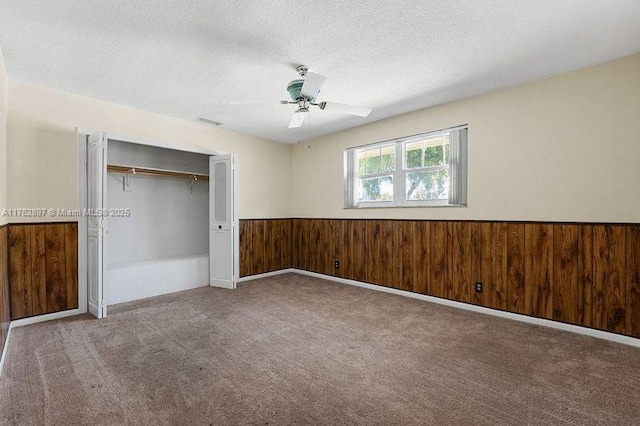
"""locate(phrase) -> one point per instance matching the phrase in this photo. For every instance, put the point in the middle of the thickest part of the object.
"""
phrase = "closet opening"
(158, 220)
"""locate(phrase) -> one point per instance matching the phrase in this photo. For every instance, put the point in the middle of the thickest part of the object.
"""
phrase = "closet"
(160, 220)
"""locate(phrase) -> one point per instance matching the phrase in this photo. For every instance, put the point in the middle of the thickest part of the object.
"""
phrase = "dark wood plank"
(633, 280)
(37, 251)
(393, 254)
(288, 252)
(337, 244)
(71, 265)
(260, 239)
(20, 272)
(296, 244)
(460, 261)
(480, 272)
(565, 286)
(408, 265)
(5, 306)
(499, 266)
(246, 240)
(357, 251)
(608, 277)
(585, 276)
(304, 249)
(374, 255)
(538, 270)
(437, 259)
(274, 227)
(420, 248)
(55, 267)
(516, 299)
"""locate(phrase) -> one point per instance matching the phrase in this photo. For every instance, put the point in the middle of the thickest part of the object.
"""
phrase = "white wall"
(43, 165)
(166, 219)
(561, 149)
(3, 139)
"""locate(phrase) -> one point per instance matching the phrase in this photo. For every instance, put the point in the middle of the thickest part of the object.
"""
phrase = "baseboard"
(613, 337)
(4, 350)
(45, 317)
(266, 274)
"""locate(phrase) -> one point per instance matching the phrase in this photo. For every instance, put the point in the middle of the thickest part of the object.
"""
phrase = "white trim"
(82, 220)
(46, 317)
(4, 350)
(268, 274)
(625, 340)
(159, 144)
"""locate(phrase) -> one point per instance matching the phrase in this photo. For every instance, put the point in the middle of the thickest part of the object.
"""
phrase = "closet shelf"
(116, 168)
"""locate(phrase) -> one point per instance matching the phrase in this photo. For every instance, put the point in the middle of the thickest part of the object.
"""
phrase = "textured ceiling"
(198, 58)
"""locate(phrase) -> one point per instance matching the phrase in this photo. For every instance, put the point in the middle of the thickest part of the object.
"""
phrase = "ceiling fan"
(304, 92)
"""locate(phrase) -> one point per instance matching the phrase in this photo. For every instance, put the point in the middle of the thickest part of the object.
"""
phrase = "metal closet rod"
(113, 168)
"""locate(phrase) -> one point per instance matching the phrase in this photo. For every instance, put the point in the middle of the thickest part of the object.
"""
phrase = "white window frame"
(457, 177)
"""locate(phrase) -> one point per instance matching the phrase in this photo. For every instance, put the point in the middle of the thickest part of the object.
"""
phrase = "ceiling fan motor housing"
(294, 88)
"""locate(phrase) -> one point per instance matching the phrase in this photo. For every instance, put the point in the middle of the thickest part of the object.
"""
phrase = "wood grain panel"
(416, 265)
(43, 268)
(460, 261)
(538, 270)
(37, 249)
(374, 254)
(585, 276)
(20, 272)
(71, 264)
(246, 247)
(633, 280)
(565, 286)
(266, 245)
(516, 298)
(56, 288)
(494, 264)
(355, 257)
(437, 259)
(393, 248)
(608, 275)
(481, 255)
(5, 307)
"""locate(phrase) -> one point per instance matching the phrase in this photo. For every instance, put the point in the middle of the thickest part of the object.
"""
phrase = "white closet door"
(96, 179)
(222, 221)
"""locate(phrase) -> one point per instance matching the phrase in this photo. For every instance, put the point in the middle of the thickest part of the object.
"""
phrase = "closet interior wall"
(163, 244)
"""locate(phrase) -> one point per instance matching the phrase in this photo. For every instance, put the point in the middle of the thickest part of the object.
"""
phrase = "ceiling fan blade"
(312, 84)
(251, 103)
(347, 109)
(298, 119)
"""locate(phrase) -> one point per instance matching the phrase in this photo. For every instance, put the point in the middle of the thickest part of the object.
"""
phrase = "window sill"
(405, 206)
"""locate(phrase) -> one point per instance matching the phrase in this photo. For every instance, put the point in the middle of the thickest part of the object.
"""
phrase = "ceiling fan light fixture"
(294, 89)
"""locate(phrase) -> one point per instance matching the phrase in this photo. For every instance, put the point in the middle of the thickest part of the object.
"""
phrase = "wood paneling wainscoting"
(43, 268)
(583, 274)
(265, 245)
(5, 310)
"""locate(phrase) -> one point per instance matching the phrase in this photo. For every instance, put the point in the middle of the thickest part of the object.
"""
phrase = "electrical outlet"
(478, 287)
(336, 264)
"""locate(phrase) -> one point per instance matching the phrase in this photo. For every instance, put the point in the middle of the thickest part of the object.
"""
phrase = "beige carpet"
(298, 350)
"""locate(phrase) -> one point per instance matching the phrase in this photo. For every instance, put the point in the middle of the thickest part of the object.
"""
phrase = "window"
(423, 170)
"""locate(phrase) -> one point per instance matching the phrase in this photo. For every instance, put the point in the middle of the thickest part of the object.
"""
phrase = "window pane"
(428, 185)
(375, 189)
(362, 161)
(414, 155)
(433, 156)
(388, 158)
(373, 161)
